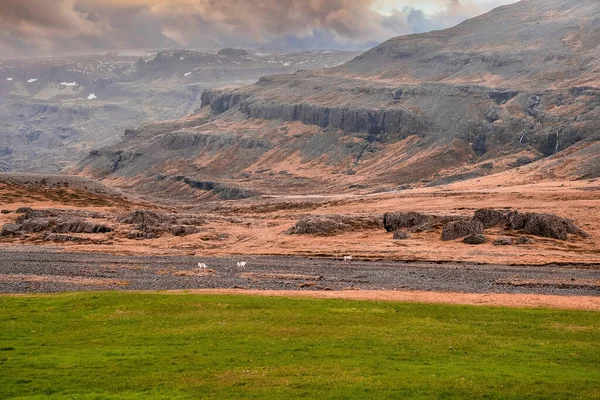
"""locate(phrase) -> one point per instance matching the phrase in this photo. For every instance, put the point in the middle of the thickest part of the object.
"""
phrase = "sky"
(51, 27)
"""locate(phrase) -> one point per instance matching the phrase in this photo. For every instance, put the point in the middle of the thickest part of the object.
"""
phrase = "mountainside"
(55, 110)
(533, 44)
(519, 85)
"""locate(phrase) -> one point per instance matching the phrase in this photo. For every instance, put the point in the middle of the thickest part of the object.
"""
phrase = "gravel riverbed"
(33, 270)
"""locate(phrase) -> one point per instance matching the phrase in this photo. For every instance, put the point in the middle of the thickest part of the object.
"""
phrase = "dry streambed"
(36, 270)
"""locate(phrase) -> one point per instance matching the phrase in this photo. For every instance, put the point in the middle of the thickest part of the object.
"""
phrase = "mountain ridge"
(352, 126)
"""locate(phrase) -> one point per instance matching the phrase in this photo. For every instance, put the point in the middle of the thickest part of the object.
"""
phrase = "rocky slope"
(55, 110)
(519, 85)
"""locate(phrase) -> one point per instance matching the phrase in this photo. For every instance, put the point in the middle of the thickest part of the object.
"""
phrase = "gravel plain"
(32, 270)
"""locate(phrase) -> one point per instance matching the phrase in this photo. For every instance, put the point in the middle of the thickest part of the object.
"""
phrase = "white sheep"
(347, 258)
(202, 266)
(242, 264)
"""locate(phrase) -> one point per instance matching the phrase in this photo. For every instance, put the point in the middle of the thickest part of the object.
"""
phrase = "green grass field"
(141, 346)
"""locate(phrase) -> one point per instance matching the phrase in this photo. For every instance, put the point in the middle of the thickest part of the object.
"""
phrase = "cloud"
(62, 26)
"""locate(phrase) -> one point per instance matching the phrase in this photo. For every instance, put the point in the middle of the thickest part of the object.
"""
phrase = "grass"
(140, 346)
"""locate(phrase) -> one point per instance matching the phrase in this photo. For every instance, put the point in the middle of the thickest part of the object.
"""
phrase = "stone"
(490, 218)
(461, 229)
(503, 241)
(476, 239)
(401, 235)
(10, 229)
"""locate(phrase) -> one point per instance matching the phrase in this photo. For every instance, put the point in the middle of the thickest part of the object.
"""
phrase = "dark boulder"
(490, 218)
(503, 241)
(318, 226)
(544, 225)
(10, 229)
(461, 229)
(23, 210)
(335, 224)
(401, 235)
(476, 239)
(394, 221)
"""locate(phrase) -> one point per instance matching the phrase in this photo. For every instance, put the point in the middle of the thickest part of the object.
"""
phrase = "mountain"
(55, 110)
(519, 85)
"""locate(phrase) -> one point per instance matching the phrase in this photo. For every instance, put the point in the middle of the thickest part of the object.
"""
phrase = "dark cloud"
(60, 26)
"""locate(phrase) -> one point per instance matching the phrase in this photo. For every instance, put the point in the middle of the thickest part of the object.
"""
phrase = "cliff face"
(376, 122)
(489, 119)
(517, 86)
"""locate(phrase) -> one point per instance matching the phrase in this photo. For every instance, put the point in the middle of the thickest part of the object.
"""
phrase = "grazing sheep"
(202, 266)
(347, 258)
(242, 264)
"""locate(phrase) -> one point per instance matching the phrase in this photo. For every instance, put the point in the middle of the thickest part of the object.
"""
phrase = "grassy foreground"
(132, 345)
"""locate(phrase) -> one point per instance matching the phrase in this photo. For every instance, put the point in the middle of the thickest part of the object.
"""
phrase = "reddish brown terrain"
(259, 226)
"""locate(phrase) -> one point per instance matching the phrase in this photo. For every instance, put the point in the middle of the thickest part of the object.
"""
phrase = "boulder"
(335, 224)
(490, 218)
(544, 225)
(401, 235)
(461, 229)
(394, 221)
(10, 229)
(503, 241)
(23, 210)
(318, 226)
(476, 239)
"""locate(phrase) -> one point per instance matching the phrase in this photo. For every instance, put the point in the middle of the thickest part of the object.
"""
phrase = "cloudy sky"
(43, 27)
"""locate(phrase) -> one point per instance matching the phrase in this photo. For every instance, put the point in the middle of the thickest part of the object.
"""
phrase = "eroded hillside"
(420, 110)
(55, 110)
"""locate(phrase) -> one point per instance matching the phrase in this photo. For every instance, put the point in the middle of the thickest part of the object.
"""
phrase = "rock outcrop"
(461, 229)
(491, 218)
(331, 225)
(544, 225)
(416, 222)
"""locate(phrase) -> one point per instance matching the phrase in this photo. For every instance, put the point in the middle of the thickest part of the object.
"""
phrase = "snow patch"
(69, 83)
(32, 80)
(9, 79)
(92, 97)
(187, 74)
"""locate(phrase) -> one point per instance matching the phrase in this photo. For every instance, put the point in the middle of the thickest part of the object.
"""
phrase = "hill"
(513, 87)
